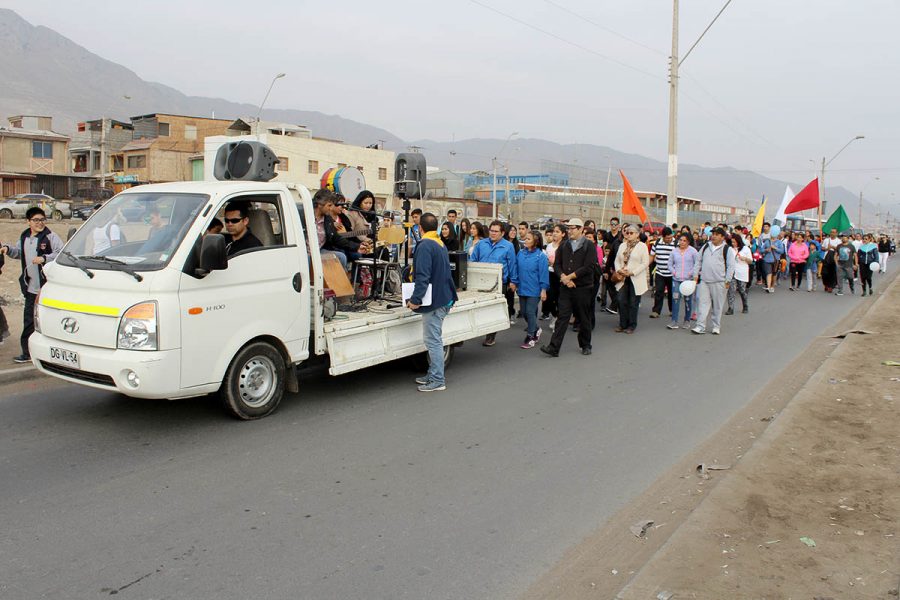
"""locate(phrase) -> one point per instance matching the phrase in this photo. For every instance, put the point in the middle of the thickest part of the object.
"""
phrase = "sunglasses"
(233, 221)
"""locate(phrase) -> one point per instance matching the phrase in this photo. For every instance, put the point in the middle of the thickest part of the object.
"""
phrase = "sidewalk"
(816, 454)
(827, 472)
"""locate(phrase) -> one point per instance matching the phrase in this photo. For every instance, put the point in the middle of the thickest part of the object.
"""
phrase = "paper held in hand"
(407, 292)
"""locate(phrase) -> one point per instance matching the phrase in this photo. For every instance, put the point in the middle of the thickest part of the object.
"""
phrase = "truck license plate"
(64, 357)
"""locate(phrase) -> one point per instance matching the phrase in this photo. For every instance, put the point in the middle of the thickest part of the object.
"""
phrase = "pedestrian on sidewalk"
(866, 255)
(36, 247)
(534, 281)
(713, 274)
(798, 253)
(846, 260)
(576, 263)
(662, 281)
(740, 285)
(681, 265)
(632, 264)
(431, 267)
(498, 250)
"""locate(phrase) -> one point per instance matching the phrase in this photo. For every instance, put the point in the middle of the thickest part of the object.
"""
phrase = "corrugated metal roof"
(137, 145)
(33, 133)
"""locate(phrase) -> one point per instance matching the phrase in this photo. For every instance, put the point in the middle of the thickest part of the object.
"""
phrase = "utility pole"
(672, 187)
(102, 152)
(606, 189)
(508, 201)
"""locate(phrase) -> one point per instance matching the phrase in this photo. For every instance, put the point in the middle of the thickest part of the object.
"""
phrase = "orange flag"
(630, 203)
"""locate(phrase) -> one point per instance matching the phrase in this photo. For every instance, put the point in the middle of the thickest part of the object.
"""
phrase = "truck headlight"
(138, 329)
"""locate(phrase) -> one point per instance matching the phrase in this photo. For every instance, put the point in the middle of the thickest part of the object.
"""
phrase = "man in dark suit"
(576, 264)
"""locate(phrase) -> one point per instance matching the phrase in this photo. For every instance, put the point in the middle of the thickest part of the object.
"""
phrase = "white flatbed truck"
(143, 301)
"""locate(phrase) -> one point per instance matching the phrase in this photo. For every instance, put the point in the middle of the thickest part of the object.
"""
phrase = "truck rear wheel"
(421, 361)
(254, 382)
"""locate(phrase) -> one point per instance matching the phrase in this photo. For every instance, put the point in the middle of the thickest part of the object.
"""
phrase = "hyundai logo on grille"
(69, 325)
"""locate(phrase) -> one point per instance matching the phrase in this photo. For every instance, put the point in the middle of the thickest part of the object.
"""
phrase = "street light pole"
(822, 176)
(263, 103)
(606, 189)
(865, 187)
(494, 165)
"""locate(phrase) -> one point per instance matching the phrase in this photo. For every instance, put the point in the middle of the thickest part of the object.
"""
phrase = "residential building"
(96, 140)
(33, 156)
(164, 146)
(304, 159)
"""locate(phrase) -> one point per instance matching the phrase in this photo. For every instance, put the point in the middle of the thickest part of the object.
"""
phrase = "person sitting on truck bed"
(329, 241)
(237, 223)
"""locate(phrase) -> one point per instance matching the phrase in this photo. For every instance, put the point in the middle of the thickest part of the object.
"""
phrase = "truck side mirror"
(212, 254)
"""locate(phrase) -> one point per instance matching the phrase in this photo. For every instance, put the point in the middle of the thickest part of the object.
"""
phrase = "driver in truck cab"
(237, 224)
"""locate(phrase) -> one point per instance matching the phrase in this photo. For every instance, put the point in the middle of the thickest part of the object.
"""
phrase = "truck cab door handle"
(297, 282)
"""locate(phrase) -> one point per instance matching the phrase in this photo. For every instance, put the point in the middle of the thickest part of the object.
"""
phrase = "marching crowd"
(563, 273)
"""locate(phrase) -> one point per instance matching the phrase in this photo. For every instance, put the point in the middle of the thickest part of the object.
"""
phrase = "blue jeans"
(432, 327)
(529, 306)
(676, 302)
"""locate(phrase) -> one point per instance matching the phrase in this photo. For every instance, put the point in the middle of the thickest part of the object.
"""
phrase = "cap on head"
(575, 222)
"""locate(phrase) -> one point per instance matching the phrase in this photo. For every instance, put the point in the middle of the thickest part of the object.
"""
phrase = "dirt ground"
(11, 300)
(810, 511)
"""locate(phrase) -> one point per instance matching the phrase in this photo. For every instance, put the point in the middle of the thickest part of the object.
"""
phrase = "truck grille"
(77, 374)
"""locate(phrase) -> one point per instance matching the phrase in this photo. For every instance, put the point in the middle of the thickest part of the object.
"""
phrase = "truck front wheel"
(254, 382)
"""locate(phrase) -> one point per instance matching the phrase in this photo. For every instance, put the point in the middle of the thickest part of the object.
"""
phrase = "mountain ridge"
(45, 72)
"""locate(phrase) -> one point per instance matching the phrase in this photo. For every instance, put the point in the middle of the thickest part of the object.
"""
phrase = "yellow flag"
(758, 221)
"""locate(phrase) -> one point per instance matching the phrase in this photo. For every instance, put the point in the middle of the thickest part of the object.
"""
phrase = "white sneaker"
(698, 330)
(672, 326)
(537, 335)
(715, 331)
(512, 320)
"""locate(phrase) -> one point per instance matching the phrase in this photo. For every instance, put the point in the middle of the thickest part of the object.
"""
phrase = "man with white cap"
(576, 263)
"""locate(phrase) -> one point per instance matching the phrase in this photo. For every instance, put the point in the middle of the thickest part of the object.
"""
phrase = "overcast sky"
(773, 84)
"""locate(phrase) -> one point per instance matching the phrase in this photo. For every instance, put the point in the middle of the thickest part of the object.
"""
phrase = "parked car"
(16, 206)
(83, 212)
(654, 227)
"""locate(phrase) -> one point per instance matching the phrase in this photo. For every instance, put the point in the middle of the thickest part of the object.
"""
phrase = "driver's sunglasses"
(233, 221)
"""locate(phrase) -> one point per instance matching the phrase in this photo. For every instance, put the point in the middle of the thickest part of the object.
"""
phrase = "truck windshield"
(134, 231)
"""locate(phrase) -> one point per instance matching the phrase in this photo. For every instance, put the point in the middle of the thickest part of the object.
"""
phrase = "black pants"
(510, 300)
(662, 289)
(593, 308)
(549, 306)
(28, 321)
(613, 300)
(797, 271)
(865, 276)
(629, 302)
(573, 301)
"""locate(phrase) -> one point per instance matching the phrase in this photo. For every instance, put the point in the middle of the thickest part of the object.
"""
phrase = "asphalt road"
(361, 487)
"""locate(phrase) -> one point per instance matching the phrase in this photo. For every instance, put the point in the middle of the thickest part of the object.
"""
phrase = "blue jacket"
(777, 247)
(431, 265)
(533, 271)
(501, 253)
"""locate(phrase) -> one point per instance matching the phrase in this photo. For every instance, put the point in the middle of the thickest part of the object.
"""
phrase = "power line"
(564, 40)
(605, 28)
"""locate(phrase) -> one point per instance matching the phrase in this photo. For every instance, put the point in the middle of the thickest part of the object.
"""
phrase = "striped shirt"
(661, 251)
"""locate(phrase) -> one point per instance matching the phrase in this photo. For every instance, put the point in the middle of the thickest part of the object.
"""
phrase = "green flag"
(838, 220)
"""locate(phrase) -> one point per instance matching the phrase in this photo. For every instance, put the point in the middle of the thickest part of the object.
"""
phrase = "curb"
(19, 374)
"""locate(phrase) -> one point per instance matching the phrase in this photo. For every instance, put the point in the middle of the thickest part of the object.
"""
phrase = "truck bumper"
(152, 374)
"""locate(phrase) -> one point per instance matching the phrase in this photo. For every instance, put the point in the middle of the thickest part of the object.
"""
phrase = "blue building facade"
(480, 185)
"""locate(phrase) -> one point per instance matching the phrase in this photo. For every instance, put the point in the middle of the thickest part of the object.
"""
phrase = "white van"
(162, 313)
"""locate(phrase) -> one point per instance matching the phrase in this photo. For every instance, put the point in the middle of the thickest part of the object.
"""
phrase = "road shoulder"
(811, 455)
